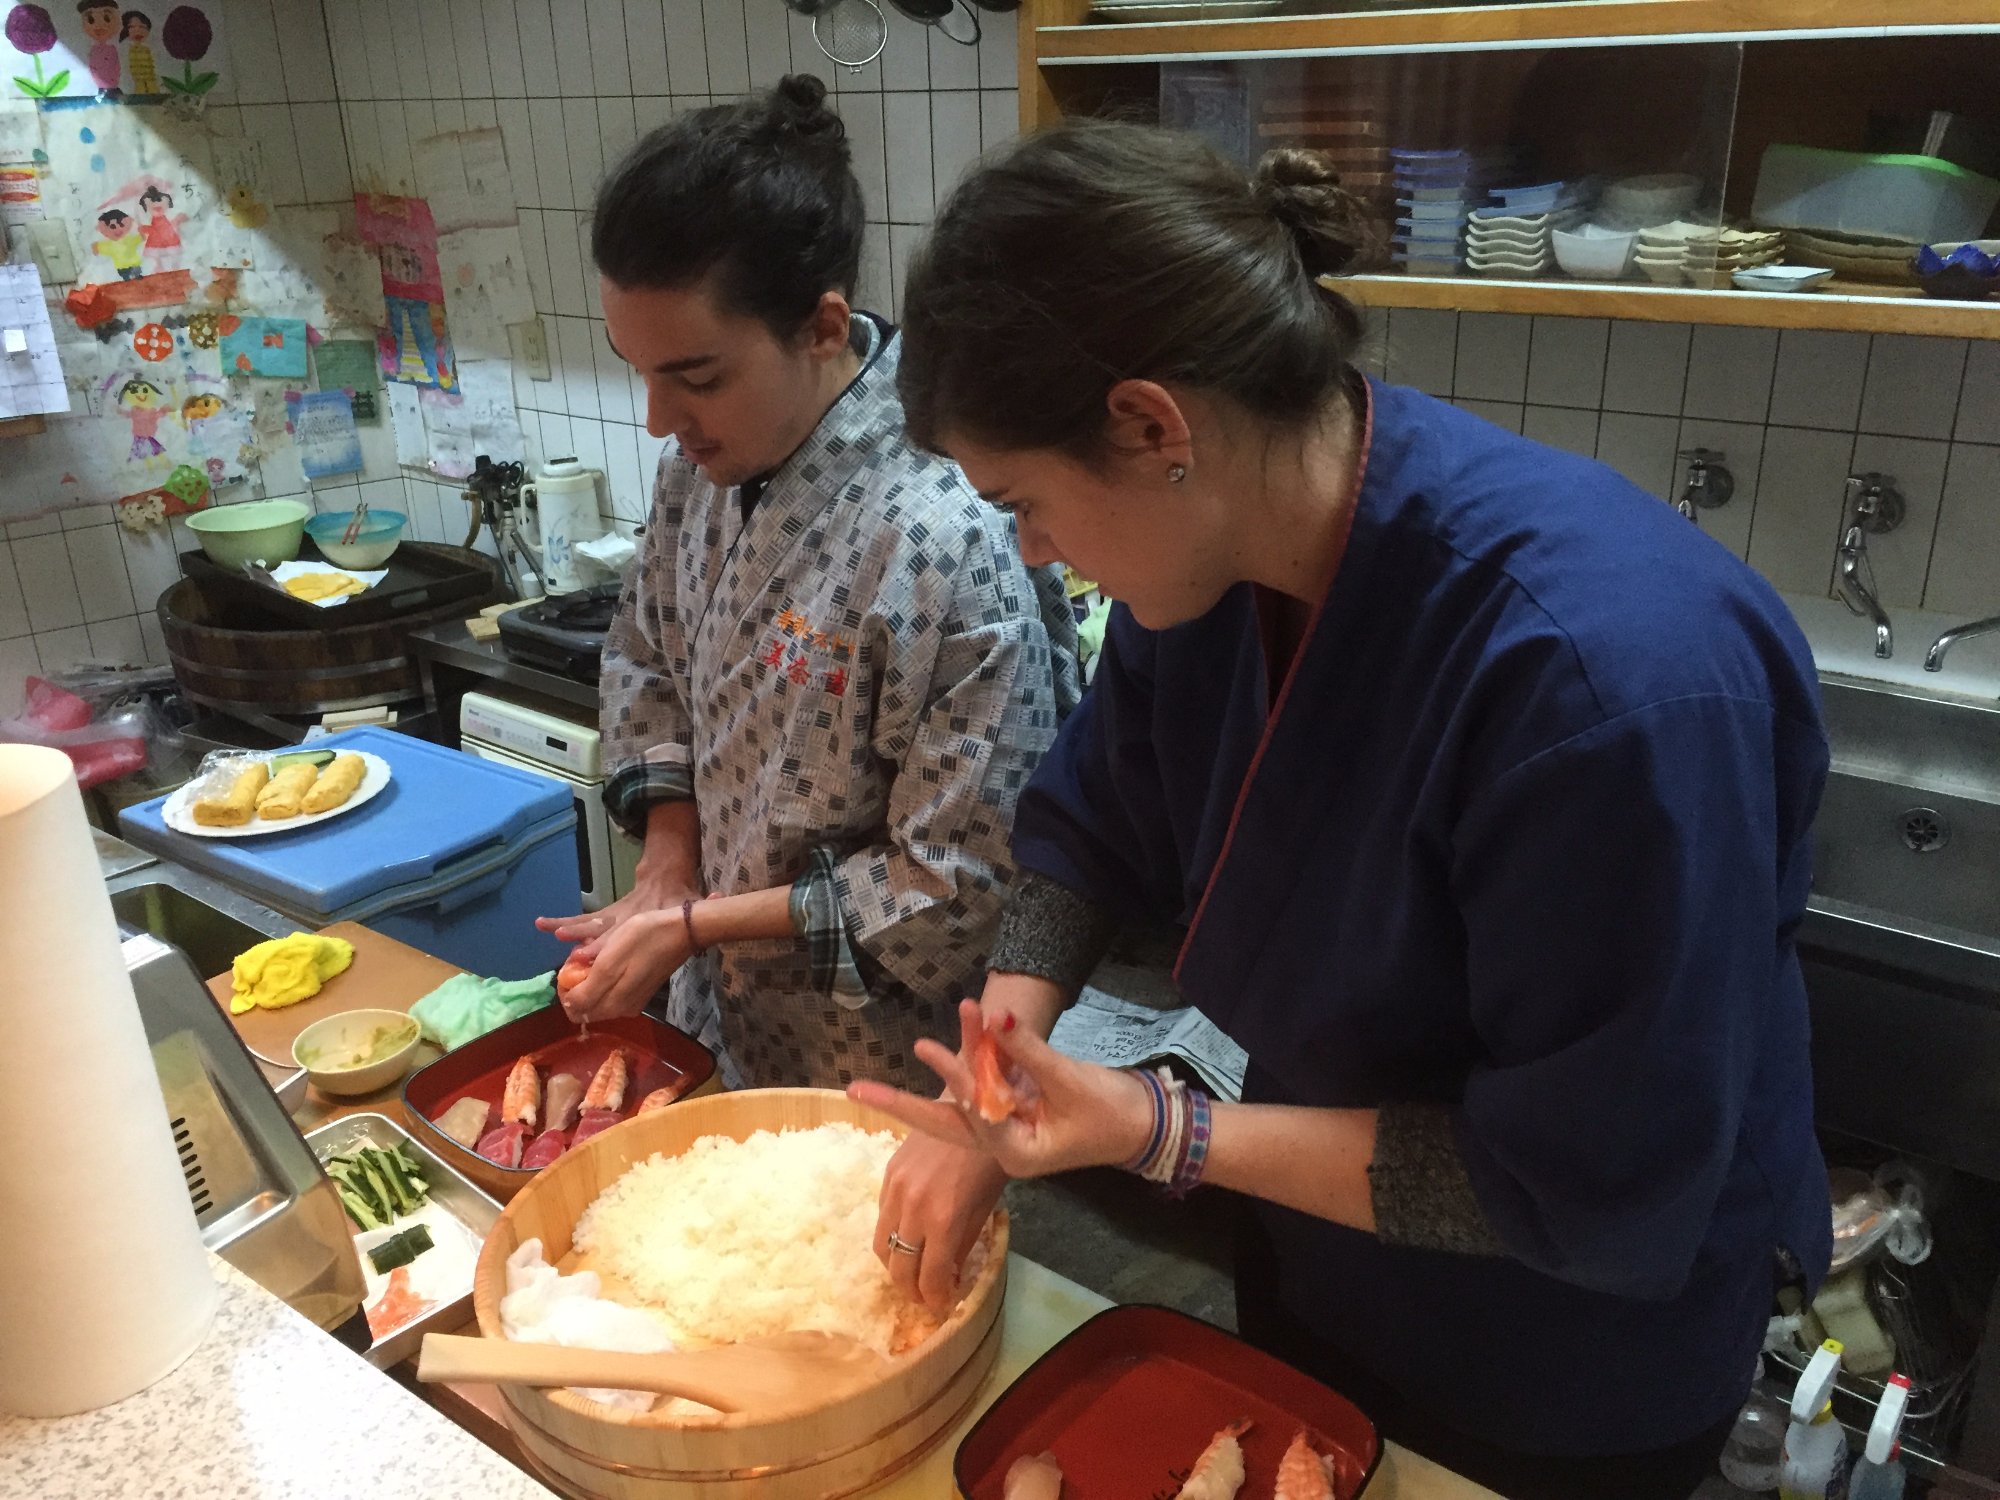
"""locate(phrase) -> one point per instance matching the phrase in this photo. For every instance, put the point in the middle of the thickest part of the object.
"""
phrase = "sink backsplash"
(1794, 413)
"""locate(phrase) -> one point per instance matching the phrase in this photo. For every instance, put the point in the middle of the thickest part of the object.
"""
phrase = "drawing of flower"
(187, 36)
(30, 30)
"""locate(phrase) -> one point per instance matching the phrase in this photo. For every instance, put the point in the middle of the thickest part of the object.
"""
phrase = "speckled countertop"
(267, 1408)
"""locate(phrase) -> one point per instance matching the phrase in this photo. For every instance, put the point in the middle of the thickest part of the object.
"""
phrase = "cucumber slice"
(301, 758)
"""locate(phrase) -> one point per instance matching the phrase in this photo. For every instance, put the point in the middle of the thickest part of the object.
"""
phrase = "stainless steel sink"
(1906, 869)
(209, 936)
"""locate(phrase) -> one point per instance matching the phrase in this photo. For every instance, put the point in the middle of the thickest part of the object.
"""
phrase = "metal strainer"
(851, 33)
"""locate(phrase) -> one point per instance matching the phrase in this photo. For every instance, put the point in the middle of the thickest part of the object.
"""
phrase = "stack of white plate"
(1679, 253)
(1855, 257)
(1502, 243)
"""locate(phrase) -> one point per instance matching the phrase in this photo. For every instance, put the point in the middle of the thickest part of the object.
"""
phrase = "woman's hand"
(1072, 1114)
(936, 1197)
(589, 930)
(628, 966)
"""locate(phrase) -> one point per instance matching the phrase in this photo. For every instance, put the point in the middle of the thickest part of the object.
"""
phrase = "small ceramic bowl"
(380, 535)
(357, 1051)
(1666, 271)
(1959, 271)
(1593, 252)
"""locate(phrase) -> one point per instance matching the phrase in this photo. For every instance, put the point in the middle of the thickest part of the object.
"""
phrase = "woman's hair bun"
(1302, 191)
(799, 102)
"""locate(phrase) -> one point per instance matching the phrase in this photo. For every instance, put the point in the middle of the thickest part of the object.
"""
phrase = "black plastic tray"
(422, 575)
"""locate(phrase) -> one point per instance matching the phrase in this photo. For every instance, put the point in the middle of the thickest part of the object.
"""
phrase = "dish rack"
(1915, 1305)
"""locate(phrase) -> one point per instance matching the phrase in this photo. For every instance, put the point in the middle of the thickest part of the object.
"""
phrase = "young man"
(833, 674)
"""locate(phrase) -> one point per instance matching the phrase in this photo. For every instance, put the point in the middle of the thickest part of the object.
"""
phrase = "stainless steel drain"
(1924, 829)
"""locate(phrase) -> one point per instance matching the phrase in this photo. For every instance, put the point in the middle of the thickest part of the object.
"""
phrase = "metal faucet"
(1870, 506)
(1708, 485)
(1934, 658)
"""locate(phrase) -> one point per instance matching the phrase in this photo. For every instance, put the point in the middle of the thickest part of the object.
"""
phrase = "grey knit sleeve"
(1051, 932)
(1422, 1193)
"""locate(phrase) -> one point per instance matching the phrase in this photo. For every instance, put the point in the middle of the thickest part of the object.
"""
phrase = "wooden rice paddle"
(780, 1373)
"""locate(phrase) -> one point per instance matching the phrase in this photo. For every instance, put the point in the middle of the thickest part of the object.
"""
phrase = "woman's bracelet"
(687, 921)
(1176, 1150)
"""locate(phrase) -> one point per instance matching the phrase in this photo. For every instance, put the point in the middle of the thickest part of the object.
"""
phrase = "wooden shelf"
(1849, 307)
(1575, 23)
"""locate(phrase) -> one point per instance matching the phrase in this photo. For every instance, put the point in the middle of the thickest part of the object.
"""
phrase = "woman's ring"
(902, 1246)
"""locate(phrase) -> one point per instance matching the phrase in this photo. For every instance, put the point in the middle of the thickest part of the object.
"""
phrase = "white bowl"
(1663, 272)
(1594, 252)
(1781, 278)
(1652, 199)
(357, 1051)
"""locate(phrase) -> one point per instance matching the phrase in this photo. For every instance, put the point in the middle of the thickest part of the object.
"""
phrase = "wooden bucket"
(226, 655)
(834, 1449)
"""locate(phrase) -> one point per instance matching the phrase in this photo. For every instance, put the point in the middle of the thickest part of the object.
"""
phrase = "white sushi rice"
(734, 1240)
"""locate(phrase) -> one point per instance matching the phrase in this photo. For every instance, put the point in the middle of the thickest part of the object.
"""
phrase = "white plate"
(1782, 278)
(178, 813)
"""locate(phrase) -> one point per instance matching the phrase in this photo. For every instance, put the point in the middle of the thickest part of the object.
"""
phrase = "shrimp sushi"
(1218, 1473)
(607, 1089)
(658, 1099)
(521, 1100)
(1304, 1473)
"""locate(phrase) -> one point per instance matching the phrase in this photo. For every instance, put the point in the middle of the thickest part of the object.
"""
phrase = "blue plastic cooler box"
(457, 856)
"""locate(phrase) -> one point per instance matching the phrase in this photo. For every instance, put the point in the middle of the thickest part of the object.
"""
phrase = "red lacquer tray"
(660, 1056)
(1128, 1401)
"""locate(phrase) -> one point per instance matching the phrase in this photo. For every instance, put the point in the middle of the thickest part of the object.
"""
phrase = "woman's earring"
(1176, 473)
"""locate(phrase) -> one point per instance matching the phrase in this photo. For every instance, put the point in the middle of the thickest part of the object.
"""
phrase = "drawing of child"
(138, 56)
(100, 24)
(162, 234)
(195, 412)
(142, 404)
(120, 243)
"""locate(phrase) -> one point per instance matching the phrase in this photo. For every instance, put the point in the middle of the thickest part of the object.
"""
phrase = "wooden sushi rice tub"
(817, 1452)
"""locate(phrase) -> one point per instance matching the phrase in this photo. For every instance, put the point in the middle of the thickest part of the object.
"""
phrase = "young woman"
(1480, 783)
(833, 674)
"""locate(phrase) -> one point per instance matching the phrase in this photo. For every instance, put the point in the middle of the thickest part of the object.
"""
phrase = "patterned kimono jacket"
(852, 683)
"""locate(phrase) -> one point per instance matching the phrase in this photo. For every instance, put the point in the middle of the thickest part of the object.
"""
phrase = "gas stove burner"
(564, 633)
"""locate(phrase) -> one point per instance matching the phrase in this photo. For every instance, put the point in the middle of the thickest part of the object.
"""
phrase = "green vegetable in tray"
(301, 758)
(376, 1186)
(400, 1249)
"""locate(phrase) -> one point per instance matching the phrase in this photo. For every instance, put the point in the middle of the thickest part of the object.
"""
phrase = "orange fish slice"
(521, 1100)
(993, 1096)
(607, 1089)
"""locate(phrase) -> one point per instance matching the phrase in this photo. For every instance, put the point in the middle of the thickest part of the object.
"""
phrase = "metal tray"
(421, 576)
(1129, 1399)
(449, 1190)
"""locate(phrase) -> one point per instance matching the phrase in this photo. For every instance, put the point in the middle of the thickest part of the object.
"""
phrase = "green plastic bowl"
(268, 532)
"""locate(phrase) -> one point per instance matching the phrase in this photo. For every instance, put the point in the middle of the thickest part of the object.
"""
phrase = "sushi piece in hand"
(465, 1121)
(1304, 1473)
(607, 1089)
(595, 1122)
(521, 1100)
(564, 1101)
(1033, 1476)
(503, 1144)
(658, 1099)
(544, 1149)
(1218, 1473)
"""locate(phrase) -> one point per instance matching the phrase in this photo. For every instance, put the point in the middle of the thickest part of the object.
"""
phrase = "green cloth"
(1090, 634)
(467, 1007)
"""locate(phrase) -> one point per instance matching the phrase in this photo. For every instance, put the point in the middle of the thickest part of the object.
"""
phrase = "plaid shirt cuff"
(634, 791)
(817, 917)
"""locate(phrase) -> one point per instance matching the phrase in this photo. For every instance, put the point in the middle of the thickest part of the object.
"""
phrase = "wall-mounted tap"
(1934, 658)
(1871, 505)
(1708, 485)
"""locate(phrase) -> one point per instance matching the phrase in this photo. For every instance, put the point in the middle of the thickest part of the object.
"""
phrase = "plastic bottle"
(1755, 1451)
(1879, 1475)
(1815, 1445)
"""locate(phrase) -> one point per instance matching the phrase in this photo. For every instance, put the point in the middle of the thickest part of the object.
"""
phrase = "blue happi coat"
(1527, 835)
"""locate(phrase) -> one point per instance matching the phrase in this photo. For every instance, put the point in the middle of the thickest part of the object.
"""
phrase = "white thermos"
(569, 502)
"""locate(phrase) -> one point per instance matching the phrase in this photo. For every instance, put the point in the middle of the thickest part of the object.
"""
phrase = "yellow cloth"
(284, 971)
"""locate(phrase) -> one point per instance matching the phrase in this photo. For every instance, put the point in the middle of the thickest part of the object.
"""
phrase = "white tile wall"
(1793, 417)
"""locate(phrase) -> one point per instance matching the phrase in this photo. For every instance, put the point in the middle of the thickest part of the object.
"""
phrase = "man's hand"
(629, 965)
